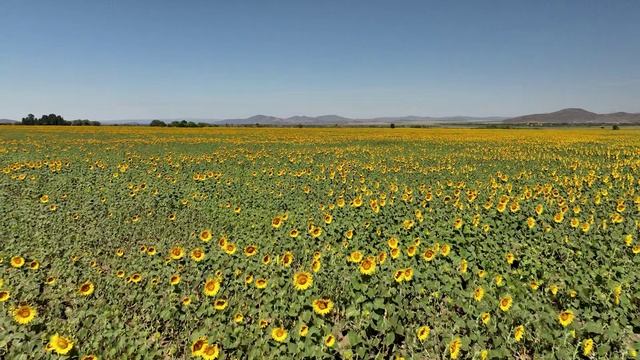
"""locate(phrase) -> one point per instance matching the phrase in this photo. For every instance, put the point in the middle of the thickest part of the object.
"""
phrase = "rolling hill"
(576, 116)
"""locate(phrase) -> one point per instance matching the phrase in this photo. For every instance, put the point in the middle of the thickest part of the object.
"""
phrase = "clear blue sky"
(135, 59)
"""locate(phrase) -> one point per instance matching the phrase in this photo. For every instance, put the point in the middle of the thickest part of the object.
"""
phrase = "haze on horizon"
(106, 60)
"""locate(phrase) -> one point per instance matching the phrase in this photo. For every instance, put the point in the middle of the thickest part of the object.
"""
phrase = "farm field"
(270, 243)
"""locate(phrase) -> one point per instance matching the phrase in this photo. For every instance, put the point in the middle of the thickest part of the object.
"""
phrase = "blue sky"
(124, 59)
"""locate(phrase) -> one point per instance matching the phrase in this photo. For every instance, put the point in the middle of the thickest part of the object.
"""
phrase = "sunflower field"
(328, 243)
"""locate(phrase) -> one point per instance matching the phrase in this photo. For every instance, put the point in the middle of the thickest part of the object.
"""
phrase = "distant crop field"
(147, 243)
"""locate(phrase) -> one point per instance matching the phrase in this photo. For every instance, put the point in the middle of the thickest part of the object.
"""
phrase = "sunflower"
(4, 295)
(279, 334)
(60, 344)
(151, 250)
(294, 233)
(510, 258)
(304, 330)
(86, 288)
(136, 278)
(287, 259)
(531, 223)
(408, 274)
(17, 261)
(120, 273)
(628, 239)
(315, 232)
(454, 348)
(250, 250)
(382, 257)
(485, 317)
(261, 283)
(395, 253)
(355, 257)
(518, 333)
(276, 222)
(230, 248)
(411, 250)
(499, 280)
(478, 293)
(89, 357)
(238, 318)
(266, 260)
(445, 250)
(220, 304)
(24, 314)
(197, 254)
(558, 217)
(206, 235)
(566, 317)
(423, 332)
(316, 265)
(322, 306)
(534, 284)
(328, 218)
(617, 292)
(463, 266)
(197, 347)
(302, 280)
(368, 266)
(398, 275)
(210, 352)
(329, 340)
(211, 287)
(186, 301)
(222, 241)
(587, 347)
(174, 279)
(176, 253)
(506, 302)
(429, 255)
(34, 265)
(120, 252)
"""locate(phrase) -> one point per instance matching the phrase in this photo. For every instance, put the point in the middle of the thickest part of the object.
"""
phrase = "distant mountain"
(319, 120)
(576, 116)
(340, 120)
(7, 121)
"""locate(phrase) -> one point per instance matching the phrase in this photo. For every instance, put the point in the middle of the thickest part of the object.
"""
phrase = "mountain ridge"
(576, 116)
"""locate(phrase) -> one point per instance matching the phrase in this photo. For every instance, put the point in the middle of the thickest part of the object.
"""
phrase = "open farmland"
(143, 243)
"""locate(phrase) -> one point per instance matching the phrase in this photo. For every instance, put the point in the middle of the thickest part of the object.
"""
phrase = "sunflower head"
(24, 314)
(279, 334)
(302, 280)
(322, 306)
(86, 288)
(60, 345)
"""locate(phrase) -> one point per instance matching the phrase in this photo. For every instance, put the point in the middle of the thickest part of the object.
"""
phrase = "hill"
(576, 116)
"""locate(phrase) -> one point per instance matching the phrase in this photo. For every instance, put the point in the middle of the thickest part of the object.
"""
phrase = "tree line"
(183, 123)
(53, 119)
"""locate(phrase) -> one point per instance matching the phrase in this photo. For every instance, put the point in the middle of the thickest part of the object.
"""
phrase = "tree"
(53, 119)
(29, 120)
(158, 123)
(393, 126)
(616, 127)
